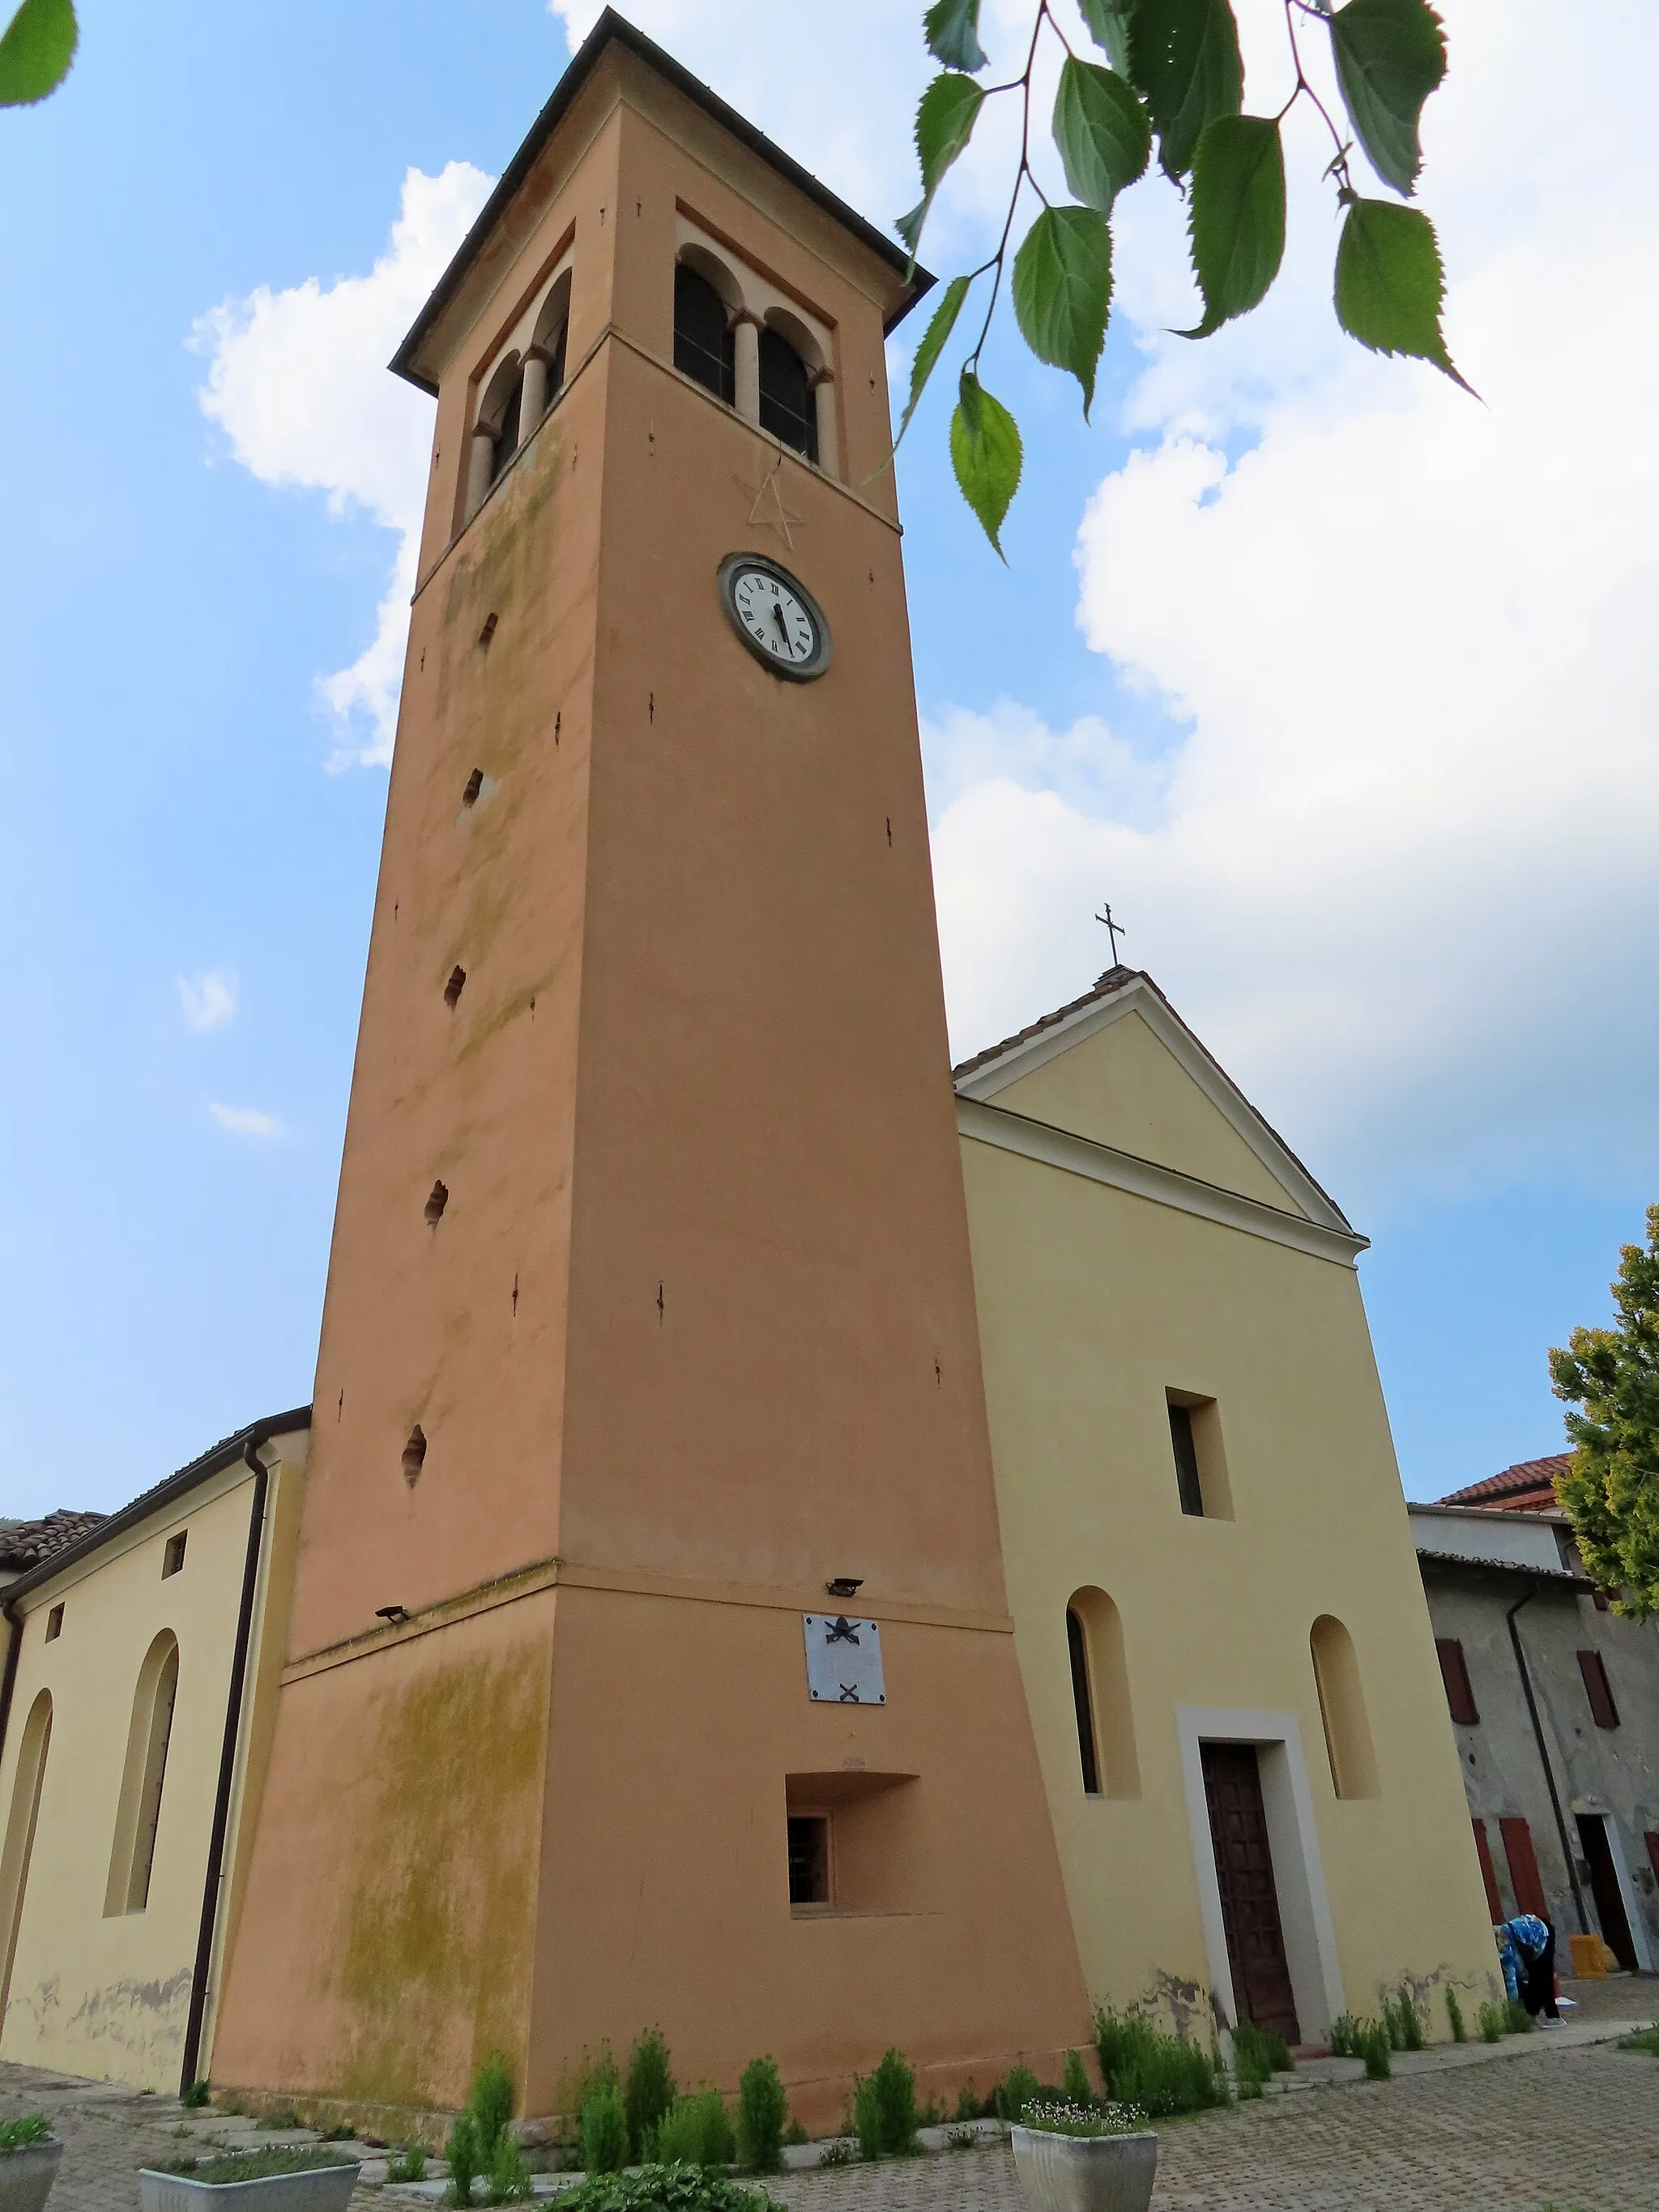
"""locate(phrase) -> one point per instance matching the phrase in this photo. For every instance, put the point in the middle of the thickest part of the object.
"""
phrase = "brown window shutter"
(1454, 1674)
(1483, 1852)
(1524, 1878)
(1598, 1690)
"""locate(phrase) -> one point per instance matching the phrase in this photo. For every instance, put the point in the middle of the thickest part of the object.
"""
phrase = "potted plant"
(285, 2177)
(29, 2152)
(1084, 2158)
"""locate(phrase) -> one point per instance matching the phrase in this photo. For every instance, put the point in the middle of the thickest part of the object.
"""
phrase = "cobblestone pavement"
(1538, 2126)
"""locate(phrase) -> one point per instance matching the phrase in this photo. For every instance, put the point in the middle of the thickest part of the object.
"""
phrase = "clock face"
(775, 615)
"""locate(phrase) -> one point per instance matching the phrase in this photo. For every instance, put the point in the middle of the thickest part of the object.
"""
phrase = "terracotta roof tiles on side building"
(1528, 1486)
(26, 1544)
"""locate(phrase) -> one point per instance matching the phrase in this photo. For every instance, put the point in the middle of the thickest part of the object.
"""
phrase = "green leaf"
(938, 330)
(952, 28)
(1390, 55)
(1389, 283)
(1102, 132)
(1184, 57)
(1237, 217)
(36, 51)
(944, 123)
(1062, 291)
(1108, 26)
(985, 452)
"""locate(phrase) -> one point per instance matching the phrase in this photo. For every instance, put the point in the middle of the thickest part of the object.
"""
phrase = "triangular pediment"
(1120, 1068)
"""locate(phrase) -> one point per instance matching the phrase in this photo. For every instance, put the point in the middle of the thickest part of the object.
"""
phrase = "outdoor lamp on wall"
(845, 1585)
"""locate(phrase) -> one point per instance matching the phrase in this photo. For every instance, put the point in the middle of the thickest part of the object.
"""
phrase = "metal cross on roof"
(1114, 929)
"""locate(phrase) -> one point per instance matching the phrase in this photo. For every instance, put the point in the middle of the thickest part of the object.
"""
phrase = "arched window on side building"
(138, 1814)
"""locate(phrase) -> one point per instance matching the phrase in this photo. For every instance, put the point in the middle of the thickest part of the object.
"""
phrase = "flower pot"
(27, 2175)
(1086, 2174)
(324, 2189)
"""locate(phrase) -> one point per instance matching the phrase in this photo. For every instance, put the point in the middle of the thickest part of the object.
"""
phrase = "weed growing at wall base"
(763, 2109)
(696, 2132)
(18, 2135)
(885, 2108)
(1143, 2064)
(1454, 2015)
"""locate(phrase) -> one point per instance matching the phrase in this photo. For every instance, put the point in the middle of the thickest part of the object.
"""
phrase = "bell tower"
(649, 1660)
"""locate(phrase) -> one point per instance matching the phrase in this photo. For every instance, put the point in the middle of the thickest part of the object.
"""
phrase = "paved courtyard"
(1539, 2124)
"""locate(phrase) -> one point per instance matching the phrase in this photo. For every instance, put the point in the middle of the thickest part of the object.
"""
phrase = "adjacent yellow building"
(136, 1705)
(1219, 1620)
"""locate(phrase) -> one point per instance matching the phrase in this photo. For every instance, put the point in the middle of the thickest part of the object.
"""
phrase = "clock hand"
(777, 616)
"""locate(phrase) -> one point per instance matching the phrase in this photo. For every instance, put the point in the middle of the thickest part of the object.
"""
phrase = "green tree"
(36, 49)
(1611, 1488)
(1172, 77)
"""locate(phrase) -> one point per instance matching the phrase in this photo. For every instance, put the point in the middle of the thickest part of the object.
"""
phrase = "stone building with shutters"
(1554, 1700)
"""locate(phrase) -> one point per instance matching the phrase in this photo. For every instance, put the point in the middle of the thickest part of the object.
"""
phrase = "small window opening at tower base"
(788, 407)
(704, 347)
(809, 1858)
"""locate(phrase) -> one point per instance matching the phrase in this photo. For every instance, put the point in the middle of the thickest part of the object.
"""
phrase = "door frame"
(1635, 1919)
(1304, 1910)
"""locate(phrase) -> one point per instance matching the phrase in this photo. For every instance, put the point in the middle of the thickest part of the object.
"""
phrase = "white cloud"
(207, 1000)
(297, 380)
(1401, 876)
(247, 1121)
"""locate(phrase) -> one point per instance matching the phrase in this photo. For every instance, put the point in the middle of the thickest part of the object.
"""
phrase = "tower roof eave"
(614, 29)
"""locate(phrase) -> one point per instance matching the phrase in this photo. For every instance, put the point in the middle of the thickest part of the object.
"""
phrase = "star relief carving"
(768, 510)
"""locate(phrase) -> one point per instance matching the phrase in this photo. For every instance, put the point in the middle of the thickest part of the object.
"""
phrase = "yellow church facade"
(1228, 1659)
(684, 1335)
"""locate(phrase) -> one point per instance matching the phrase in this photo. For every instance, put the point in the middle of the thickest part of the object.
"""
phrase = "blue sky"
(1343, 689)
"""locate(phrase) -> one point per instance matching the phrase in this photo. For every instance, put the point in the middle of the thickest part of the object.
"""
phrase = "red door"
(1249, 1897)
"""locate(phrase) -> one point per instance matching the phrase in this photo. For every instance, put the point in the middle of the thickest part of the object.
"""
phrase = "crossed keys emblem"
(828, 1670)
(841, 1630)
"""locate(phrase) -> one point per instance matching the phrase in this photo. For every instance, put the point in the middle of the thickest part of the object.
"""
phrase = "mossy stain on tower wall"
(437, 1922)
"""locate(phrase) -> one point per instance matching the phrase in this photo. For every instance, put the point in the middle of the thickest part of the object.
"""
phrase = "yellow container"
(1588, 1958)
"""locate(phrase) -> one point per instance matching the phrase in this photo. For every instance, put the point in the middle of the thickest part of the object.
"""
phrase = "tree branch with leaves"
(1611, 1486)
(1173, 76)
(36, 49)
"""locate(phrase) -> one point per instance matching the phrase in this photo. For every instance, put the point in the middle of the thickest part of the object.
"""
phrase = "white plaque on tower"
(843, 1660)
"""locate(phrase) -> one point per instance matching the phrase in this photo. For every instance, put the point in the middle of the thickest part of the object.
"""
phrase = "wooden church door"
(1249, 1897)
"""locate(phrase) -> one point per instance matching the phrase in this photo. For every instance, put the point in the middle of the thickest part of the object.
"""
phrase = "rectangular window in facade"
(809, 1858)
(1598, 1690)
(1524, 1878)
(1454, 1674)
(1186, 1459)
(54, 1624)
(172, 1556)
(1202, 1478)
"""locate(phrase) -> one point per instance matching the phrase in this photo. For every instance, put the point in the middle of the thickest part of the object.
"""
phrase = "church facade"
(783, 1554)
